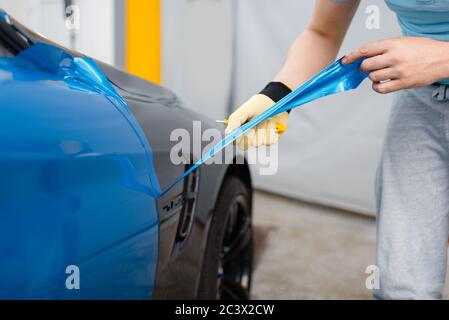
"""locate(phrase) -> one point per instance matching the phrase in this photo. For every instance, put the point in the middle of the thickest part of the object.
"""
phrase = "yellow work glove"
(265, 133)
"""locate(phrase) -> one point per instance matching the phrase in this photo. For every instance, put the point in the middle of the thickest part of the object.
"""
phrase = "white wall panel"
(197, 53)
(330, 152)
(96, 34)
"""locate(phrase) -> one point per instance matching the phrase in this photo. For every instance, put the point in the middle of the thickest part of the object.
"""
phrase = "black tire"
(227, 265)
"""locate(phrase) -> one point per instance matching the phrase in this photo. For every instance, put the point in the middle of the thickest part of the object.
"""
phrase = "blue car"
(85, 212)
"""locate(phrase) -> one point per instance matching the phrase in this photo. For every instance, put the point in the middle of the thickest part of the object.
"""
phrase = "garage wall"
(198, 52)
(95, 36)
(330, 152)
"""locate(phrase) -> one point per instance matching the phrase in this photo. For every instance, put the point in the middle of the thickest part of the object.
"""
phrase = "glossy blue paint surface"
(77, 184)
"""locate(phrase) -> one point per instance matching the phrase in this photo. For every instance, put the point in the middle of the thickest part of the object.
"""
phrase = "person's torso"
(422, 18)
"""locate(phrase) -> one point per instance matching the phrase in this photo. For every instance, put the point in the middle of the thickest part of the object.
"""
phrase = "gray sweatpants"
(412, 192)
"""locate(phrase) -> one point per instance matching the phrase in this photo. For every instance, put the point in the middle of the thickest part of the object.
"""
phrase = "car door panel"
(76, 188)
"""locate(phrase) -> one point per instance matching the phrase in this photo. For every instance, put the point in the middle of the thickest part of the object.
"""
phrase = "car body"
(84, 160)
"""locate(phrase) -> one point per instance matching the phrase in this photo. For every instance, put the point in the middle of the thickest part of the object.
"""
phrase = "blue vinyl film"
(333, 79)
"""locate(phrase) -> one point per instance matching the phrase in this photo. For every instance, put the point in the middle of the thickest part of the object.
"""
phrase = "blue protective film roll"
(333, 79)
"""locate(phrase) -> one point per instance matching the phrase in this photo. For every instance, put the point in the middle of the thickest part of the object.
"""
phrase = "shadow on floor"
(261, 235)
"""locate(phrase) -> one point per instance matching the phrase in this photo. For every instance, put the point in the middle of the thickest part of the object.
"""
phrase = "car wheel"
(227, 265)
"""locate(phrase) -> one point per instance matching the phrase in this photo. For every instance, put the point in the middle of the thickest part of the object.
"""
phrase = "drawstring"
(441, 93)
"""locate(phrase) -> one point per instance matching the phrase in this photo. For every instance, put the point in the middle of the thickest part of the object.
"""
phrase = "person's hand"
(402, 63)
(265, 133)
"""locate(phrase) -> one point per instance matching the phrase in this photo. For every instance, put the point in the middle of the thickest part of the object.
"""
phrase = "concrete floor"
(305, 251)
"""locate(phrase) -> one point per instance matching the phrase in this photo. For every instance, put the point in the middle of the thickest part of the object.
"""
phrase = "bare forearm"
(310, 53)
(318, 45)
(315, 48)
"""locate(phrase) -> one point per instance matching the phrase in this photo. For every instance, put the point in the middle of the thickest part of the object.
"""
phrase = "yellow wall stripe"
(143, 39)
